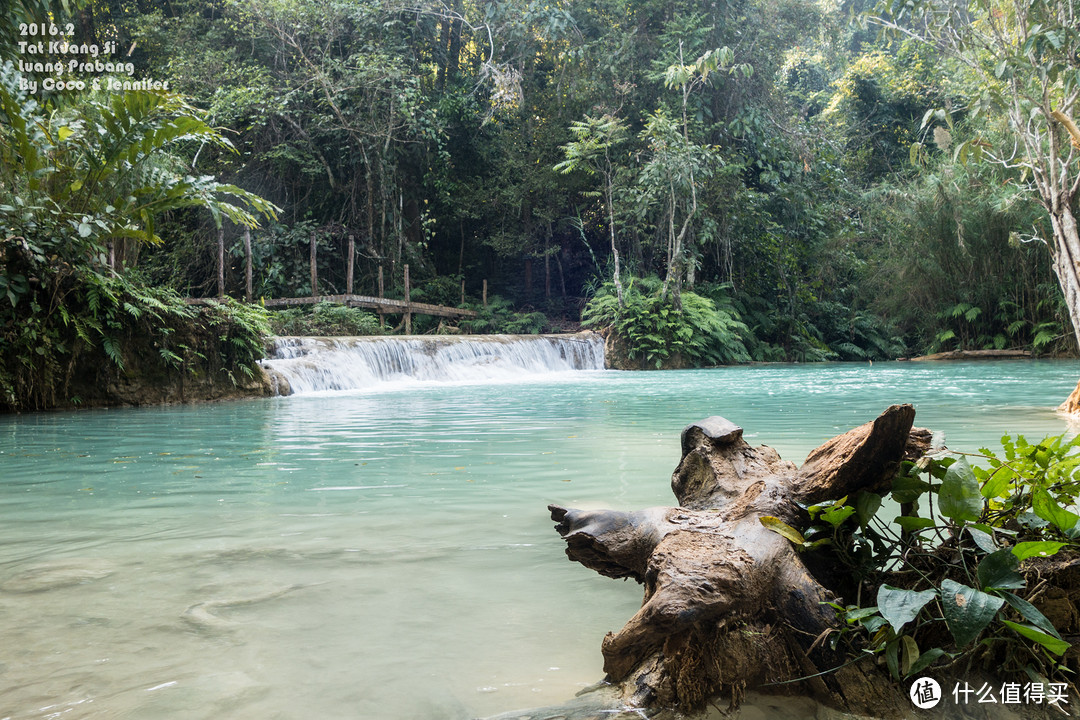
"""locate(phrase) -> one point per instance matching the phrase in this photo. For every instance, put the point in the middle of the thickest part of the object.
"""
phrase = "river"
(386, 553)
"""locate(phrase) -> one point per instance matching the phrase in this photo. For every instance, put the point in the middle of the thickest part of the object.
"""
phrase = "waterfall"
(312, 364)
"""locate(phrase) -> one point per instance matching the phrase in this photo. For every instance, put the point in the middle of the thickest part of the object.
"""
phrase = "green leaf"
(912, 524)
(872, 623)
(891, 658)
(837, 514)
(925, 660)
(1051, 643)
(859, 613)
(1048, 509)
(998, 570)
(983, 539)
(1045, 548)
(899, 607)
(907, 489)
(867, 505)
(967, 611)
(997, 485)
(959, 498)
(782, 528)
(909, 655)
(1030, 613)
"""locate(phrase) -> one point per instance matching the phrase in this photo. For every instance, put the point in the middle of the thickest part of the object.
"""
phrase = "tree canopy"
(836, 190)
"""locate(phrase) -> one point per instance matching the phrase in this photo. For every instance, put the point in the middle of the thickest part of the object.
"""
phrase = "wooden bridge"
(381, 305)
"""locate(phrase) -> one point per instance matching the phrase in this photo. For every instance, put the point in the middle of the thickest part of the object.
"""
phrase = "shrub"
(324, 319)
(500, 317)
(655, 330)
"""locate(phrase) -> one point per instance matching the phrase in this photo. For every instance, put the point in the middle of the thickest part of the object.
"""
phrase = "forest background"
(768, 180)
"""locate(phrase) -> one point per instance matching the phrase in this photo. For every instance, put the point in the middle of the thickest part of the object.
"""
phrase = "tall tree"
(595, 139)
(1026, 55)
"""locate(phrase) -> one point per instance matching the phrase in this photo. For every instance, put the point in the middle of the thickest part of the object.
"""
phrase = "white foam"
(317, 365)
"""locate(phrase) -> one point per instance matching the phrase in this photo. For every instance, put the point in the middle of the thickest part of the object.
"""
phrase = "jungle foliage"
(833, 192)
(82, 185)
(949, 581)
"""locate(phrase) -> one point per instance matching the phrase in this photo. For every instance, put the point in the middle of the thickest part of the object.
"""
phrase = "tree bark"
(248, 271)
(221, 262)
(728, 604)
(609, 192)
(1066, 261)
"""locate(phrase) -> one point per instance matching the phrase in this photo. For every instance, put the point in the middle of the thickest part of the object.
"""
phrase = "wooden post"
(408, 308)
(382, 318)
(547, 269)
(314, 270)
(485, 292)
(248, 273)
(350, 265)
(221, 262)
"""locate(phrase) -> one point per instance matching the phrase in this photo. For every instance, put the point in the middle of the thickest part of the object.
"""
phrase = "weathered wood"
(350, 265)
(408, 310)
(314, 268)
(1071, 406)
(382, 317)
(728, 603)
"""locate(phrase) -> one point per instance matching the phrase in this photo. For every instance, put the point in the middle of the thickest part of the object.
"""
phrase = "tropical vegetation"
(746, 181)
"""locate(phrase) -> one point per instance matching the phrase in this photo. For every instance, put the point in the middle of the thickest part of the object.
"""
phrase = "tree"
(1026, 57)
(591, 151)
(679, 165)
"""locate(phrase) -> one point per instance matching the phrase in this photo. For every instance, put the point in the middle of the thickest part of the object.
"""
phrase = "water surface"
(385, 554)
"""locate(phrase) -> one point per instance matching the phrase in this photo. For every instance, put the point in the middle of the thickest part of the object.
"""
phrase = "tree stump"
(729, 604)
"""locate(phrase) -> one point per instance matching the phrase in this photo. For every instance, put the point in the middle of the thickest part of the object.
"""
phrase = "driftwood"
(729, 605)
(1071, 406)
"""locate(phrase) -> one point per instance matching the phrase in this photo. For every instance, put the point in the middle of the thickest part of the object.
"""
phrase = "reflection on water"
(384, 555)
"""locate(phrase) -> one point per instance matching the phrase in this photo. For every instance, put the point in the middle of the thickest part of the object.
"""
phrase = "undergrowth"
(953, 580)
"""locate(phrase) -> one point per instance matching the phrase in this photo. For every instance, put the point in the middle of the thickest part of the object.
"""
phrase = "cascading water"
(313, 364)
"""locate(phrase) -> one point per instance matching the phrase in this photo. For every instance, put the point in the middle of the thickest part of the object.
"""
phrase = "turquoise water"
(385, 555)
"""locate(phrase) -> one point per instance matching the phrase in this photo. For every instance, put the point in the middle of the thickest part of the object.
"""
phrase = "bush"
(655, 330)
(324, 319)
(105, 324)
(951, 589)
(500, 317)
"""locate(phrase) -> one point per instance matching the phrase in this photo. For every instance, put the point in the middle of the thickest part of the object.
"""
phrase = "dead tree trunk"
(729, 605)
